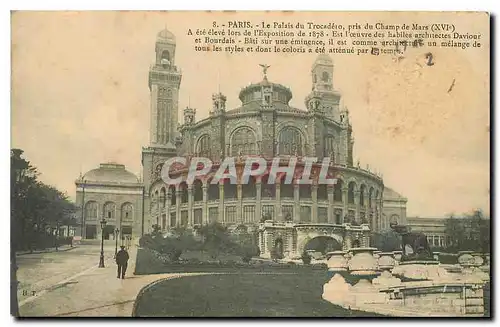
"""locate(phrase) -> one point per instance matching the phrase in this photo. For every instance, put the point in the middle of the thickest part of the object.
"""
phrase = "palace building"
(265, 125)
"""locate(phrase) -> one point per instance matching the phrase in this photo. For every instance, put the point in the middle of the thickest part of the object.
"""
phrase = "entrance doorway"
(323, 245)
(90, 232)
(109, 232)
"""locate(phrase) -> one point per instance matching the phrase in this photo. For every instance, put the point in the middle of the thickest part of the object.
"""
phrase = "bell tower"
(164, 83)
(323, 98)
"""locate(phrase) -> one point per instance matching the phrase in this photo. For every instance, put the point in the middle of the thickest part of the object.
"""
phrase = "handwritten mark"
(451, 86)
(26, 293)
(428, 56)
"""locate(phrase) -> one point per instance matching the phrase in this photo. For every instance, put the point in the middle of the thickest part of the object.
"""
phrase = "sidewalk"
(95, 292)
(61, 248)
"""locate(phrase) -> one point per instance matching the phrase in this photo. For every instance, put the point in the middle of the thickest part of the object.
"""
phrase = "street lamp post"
(83, 231)
(101, 258)
(117, 232)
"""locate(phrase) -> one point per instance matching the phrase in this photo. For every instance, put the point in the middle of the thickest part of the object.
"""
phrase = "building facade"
(264, 125)
(113, 193)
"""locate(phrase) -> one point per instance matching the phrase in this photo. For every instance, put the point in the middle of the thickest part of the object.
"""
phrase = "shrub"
(275, 255)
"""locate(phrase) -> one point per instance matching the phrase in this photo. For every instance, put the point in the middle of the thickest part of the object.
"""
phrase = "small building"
(433, 228)
(113, 193)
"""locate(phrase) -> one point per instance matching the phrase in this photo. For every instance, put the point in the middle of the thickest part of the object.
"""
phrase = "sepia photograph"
(223, 164)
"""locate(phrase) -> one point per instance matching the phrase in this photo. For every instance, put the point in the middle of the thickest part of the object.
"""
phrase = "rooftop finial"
(265, 67)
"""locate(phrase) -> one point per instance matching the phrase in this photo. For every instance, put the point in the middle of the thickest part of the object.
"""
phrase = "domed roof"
(166, 36)
(389, 193)
(323, 59)
(110, 173)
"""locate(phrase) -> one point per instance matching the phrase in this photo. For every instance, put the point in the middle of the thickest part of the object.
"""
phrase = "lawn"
(241, 295)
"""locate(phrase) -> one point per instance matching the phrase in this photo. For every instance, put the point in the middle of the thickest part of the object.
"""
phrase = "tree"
(216, 239)
(35, 206)
(468, 232)
(455, 232)
(386, 241)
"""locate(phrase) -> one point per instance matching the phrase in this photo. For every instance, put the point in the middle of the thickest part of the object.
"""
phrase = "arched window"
(362, 195)
(91, 210)
(330, 146)
(163, 197)
(249, 190)
(267, 190)
(109, 210)
(203, 146)
(325, 77)
(184, 192)
(198, 190)
(213, 191)
(350, 193)
(305, 191)
(370, 197)
(127, 211)
(286, 190)
(230, 190)
(243, 141)
(165, 55)
(173, 196)
(337, 191)
(290, 141)
(322, 192)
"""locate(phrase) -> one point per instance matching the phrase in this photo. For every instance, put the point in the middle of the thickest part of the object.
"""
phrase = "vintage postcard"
(250, 164)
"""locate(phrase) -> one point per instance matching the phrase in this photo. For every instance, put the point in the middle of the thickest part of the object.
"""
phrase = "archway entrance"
(322, 245)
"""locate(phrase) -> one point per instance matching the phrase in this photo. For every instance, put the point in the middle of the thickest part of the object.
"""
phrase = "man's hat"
(122, 246)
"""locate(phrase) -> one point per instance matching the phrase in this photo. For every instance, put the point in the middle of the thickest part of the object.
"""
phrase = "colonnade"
(168, 213)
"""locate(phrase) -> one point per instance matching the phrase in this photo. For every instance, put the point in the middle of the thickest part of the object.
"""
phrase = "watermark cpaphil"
(303, 171)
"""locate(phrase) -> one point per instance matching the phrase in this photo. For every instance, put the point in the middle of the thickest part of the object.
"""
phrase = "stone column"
(296, 203)
(378, 215)
(204, 214)
(239, 204)
(178, 196)
(258, 204)
(345, 202)
(331, 215)
(221, 203)
(347, 241)
(371, 213)
(358, 206)
(167, 210)
(190, 205)
(314, 207)
(278, 213)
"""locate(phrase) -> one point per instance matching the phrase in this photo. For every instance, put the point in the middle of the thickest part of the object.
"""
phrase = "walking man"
(121, 261)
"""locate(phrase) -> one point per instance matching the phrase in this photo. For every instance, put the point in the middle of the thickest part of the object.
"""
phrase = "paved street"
(37, 272)
(70, 284)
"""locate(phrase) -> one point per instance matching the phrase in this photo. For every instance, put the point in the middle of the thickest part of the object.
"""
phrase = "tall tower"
(323, 98)
(164, 83)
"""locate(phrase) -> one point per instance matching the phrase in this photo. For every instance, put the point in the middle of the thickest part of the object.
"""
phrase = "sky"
(80, 97)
